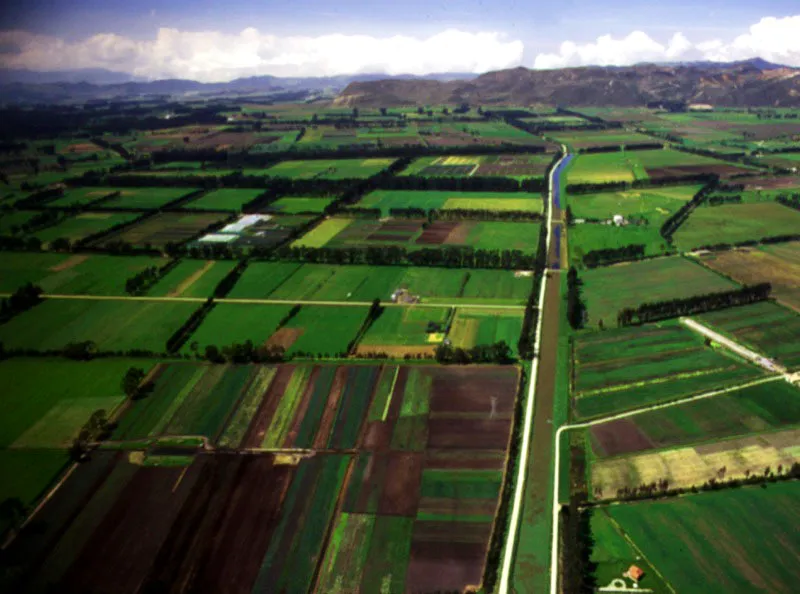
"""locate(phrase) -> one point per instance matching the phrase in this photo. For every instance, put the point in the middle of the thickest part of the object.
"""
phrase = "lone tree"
(131, 381)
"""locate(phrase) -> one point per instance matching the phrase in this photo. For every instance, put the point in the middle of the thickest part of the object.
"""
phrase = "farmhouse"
(634, 572)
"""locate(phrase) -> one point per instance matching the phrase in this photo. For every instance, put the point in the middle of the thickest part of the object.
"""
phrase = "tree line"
(21, 300)
(576, 310)
(720, 199)
(144, 280)
(679, 216)
(663, 310)
(445, 257)
(498, 353)
(606, 256)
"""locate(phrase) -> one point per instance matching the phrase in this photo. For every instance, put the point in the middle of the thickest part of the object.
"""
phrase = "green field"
(329, 169)
(407, 326)
(323, 329)
(499, 201)
(226, 199)
(627, 166)
(228, 323)
(628, 368)
(755, 410)
(192, 278)
(609, 289)
(11, 221)
(736, 223)
(80, 197)
(323, 233)
(28, 474)
(83, 274)
(260, 279)
(47, 401)
(710, 538)
(588, 237)
(764, 327)
(83, 225)
(146, 198)
(653, 205)
(472, 327)
(299, 205)
(580, 139)
(322, 282)
(111, 325)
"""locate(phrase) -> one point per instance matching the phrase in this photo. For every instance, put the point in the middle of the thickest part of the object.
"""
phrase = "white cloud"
(213, 56)
(774, 39)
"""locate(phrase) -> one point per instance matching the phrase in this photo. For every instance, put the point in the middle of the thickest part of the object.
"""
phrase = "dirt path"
(188, 282)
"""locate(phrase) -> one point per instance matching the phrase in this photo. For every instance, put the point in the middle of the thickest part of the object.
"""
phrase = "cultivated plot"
(682, 536)
(72, 274)
(329, 168)
(628, 368)
(608, 290)
(224, 199)
(83, 226)
(399, 491)
(764, 327)
(736, 223)
(386, 200)
(777, 264)
(109, 325)
(163, 228)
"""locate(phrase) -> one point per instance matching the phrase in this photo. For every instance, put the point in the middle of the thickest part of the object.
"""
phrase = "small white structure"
(619, 220)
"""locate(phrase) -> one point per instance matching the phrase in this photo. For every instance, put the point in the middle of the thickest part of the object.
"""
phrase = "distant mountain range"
(748, 83)
(27, 86)
(753, 82)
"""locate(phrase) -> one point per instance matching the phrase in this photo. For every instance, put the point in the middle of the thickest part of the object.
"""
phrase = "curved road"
(536, 448)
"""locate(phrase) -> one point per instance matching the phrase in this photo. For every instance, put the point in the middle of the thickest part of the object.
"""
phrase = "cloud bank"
(774, 39)
(212, 56)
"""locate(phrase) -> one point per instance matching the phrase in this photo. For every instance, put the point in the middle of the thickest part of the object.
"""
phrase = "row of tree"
(182, 334)
(576, 310)
(792, 201)
(663, 310)
(662, 488)
(720, 199)
(499, 353)
(679, 216)
(445, 257)
(607, 256)
(20, 300)
(142, 281)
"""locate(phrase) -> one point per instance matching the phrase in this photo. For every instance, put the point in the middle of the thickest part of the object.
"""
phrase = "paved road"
(519, 308)
(756, 358)
(536, 431)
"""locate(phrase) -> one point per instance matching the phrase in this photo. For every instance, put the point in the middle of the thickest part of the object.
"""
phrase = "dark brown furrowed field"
(406, 463)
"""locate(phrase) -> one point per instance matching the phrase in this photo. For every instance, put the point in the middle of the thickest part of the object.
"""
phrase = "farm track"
(245, 301)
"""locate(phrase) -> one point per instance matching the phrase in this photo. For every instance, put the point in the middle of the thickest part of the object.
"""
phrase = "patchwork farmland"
(398, 466)
(260, 345)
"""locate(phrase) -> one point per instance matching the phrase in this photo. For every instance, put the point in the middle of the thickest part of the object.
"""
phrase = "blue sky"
(50, 33)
